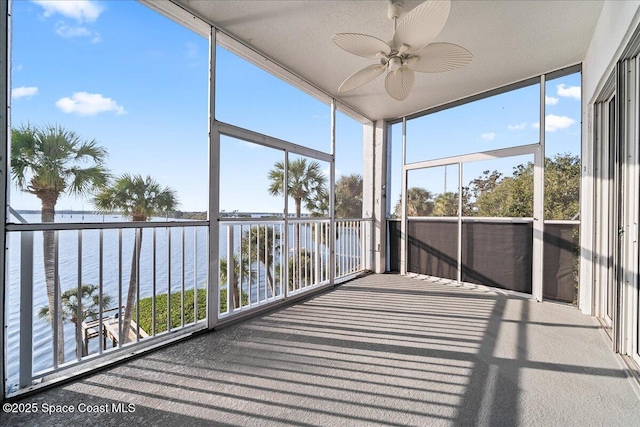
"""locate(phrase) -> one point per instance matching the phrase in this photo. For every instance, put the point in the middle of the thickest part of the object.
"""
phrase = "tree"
(446, 204)
(240, 269)
(47, 162)
(419, 203)
(90, 305)
(305, 183)
(562, 187)
(138, 198)
(512, 196)
(262, 245)
(348, 193)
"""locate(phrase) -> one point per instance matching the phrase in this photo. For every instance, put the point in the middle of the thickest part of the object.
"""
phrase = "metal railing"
(87, 270)
(352, 246)
(273, 259)
(91, 270)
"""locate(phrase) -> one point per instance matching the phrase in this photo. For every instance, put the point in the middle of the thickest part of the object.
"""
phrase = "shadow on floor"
(381, 350)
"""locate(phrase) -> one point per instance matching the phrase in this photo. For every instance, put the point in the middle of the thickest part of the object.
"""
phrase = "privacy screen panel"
(498, 254)
(394, 245)
(433, 248)
(560, 262)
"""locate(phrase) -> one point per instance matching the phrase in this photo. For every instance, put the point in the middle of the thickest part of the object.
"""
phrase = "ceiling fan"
(410, 49)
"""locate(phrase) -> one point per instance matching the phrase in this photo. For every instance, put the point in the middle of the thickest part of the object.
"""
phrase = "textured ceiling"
(510, 41)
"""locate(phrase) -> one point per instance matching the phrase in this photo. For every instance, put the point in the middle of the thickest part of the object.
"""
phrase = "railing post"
(26, 308)
(230, 262)
(316, 253)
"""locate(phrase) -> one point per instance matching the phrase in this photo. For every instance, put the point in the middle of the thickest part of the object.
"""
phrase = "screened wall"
(489, 189)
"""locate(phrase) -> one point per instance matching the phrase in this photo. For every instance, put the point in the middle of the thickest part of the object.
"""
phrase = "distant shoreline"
(175, 215)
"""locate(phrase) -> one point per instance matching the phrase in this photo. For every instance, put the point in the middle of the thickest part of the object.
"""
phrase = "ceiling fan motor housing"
(395, 9)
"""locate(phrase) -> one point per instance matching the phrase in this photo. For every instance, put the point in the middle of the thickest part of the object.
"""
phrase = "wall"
(617, 22)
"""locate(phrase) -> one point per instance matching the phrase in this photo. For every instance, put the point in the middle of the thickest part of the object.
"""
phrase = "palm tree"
(47, 162)
(89, 304)
(419, 202)
(349, 196)
(263, 245)
(240, 269)
(138, 198)
(306, 183)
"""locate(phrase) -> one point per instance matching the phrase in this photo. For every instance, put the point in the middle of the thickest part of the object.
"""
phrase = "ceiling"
(510, 40)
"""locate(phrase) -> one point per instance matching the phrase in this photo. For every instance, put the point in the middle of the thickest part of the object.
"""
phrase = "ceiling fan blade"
(399, 83)
(423, 24)
(361, 44)
(362, 77)
(440, 57)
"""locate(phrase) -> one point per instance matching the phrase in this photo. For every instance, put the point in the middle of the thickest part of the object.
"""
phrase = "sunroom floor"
(379, 350)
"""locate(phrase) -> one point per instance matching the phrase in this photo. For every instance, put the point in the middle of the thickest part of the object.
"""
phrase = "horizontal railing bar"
(103, 225)
(432, 218)
(277, 220)
(271, 220)
(309, 219)
(493, 219)
(470, 219)
(562, 221)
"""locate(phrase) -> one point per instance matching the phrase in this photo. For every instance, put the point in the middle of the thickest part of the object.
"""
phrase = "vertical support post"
(154, 282)
(57, 308)
(230, 264)
(459, 221)
(182, 248)
(387, 184)
(5, 126)
(538, 202)
(26, 308)
(102, 336)
(120, 323)
(285, 246)
(168, 278)
(374, 197)
(79, 341)
(316, 252)
(403, 219)
(213, 277)
(332, 214)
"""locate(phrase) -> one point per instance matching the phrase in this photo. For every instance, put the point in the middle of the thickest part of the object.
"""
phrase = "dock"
(110, 331)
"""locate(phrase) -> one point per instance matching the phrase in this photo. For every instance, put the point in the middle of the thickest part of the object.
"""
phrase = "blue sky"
(502, 121)
(136, 82)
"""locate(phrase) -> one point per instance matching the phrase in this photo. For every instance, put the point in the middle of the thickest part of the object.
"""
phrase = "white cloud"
(89, 104)
(552, 123)
(488, 136)
(67, 31)
(22, 91)
(521, 126)
(80, 10)
(569, 92)
(18, 67)
(550, 100)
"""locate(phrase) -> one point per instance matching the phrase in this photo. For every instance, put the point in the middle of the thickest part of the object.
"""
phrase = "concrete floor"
(380, 350)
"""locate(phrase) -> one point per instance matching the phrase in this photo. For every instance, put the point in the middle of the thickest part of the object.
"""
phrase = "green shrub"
(146, 309)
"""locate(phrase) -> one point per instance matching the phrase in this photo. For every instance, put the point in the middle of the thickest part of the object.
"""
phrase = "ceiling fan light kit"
(410, 50)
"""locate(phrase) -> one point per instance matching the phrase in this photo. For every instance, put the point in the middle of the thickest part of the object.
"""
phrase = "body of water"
(183, 262)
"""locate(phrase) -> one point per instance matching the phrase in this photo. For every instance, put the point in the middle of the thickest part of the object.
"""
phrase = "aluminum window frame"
(537, 149)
